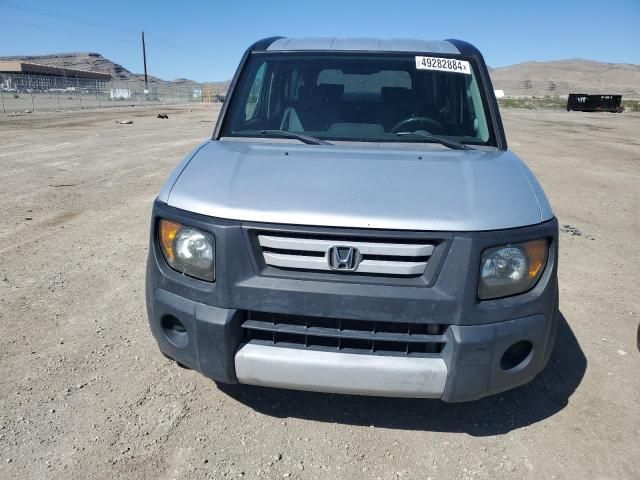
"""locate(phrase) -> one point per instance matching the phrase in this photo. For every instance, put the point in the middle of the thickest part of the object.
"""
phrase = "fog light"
(516, 354)
(174, 331)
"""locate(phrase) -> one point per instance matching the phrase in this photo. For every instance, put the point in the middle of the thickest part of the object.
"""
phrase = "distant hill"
(214, 88)
(567, 76)
(94, 62)
(523, 79)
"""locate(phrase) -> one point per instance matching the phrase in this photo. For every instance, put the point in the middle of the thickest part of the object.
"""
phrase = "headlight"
(511, 269)
(188, 250)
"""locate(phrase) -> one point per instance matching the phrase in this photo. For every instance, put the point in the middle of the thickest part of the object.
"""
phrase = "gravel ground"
(85, 393)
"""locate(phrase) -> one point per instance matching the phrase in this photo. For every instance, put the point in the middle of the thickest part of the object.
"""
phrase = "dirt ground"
(85, 393)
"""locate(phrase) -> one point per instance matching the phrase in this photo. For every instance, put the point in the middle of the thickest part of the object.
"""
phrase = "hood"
(429, 188)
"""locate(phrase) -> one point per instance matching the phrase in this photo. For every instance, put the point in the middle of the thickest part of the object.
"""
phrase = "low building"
(19, 76)
(120, 93)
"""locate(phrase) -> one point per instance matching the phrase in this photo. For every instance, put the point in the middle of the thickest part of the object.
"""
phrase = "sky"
(204, 40)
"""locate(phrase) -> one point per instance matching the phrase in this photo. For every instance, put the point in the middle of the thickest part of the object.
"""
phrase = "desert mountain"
(523, 79)
(567, 76)
(94, 62)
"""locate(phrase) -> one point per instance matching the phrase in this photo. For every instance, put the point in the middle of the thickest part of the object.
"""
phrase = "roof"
(16, 66)
(364, 44)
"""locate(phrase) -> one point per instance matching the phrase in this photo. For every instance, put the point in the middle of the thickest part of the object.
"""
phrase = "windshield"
(374, 98)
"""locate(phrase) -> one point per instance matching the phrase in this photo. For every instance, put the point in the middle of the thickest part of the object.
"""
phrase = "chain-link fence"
(33, 93)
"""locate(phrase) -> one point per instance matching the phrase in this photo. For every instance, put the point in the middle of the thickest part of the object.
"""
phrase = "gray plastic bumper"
(341, 372)
(478, 333)
(468, 368)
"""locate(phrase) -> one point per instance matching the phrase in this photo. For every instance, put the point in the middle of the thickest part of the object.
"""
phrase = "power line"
(83, 21)
(79, 20)
(152, 39)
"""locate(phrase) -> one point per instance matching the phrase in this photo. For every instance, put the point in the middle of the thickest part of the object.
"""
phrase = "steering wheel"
(401, 125)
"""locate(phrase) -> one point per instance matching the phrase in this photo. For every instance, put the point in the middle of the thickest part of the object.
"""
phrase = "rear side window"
(254, 93)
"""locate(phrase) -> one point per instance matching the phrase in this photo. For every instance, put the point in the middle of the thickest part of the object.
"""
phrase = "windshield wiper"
(436, 139)
(308, 139)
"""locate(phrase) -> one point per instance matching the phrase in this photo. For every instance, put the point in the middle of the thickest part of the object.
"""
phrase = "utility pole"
(144, 59)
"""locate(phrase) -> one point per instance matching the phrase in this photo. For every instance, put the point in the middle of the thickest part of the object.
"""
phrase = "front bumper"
(477, 333)
(468, 369)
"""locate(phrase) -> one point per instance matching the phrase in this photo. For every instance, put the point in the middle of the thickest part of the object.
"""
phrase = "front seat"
(316, 109)
(399, 103)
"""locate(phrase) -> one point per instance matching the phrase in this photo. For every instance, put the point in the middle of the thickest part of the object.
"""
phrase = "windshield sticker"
(443, 64)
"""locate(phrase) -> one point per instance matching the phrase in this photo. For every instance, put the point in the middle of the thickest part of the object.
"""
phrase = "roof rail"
(263, 44)
(465, 47)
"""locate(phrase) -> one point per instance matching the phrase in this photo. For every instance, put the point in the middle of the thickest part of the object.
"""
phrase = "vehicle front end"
(356, 250)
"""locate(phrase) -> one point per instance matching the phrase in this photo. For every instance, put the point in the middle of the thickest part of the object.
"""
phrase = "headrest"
(398, 95)
(315, 96)
(330, 92)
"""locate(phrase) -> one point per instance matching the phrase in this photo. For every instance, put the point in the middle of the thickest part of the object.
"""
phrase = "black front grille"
(346, 336)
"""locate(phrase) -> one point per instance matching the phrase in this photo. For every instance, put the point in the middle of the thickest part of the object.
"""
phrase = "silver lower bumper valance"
(335, 372)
